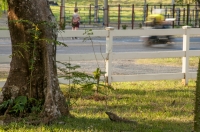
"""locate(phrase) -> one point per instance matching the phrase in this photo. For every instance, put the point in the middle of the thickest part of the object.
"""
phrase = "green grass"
(149, 103)
(193, 61)
(3, 28)
(81, 2)
(126, 10)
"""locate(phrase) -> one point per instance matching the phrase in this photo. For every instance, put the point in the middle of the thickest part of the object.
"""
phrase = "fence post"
(147, 10)
(196, 16)
(178, 12)
(96, 11)
(133, 16)
(185, 59)
(183, 16)
(199, 22)
(62, 15)
(119, 16)
(105, 12)
(144, 13)
(108, 20)
(75, 5)
(188, 13)
(160, 6)
(109, 46)
(165, 12)
(173, 12)
(90, 14)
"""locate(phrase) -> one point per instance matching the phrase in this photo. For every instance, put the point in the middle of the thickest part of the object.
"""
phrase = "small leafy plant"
(97, 74)
(78, 81)
(80, 84)
(21, 105)
(124, 26)
(140, 25)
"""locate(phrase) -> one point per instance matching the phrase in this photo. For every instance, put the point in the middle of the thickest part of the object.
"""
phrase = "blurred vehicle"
(157, 21)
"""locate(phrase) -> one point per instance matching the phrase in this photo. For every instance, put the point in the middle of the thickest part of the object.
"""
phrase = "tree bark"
(33, 71)
(197, 103)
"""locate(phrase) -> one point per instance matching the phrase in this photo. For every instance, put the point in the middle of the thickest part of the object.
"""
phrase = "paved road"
(122, 67)
(125, 44)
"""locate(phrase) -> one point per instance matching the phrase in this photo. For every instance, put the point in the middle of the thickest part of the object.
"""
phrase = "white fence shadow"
(109, 33)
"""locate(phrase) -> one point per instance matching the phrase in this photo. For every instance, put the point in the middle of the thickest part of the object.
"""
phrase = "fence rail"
(109, 33)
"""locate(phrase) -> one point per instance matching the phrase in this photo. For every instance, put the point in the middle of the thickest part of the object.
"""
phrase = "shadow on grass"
(84, 124)
(168, 92)
(105, 125)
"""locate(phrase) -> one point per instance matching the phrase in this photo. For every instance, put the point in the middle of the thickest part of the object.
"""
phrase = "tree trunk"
(33, 71)
(197, 103)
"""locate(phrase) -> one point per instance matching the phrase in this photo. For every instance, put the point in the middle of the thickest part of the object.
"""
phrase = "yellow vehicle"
(157, 21)
(156, 18)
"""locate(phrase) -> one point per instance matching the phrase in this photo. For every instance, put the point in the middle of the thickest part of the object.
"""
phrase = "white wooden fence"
(109, 33)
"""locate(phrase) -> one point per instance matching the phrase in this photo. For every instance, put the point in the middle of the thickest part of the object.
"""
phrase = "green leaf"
(21, 100)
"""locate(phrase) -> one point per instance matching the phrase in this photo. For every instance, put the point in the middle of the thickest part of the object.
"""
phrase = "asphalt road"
(120, 44)
(122, 67)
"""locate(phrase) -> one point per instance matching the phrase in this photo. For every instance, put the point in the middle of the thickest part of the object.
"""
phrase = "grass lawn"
(126, 10)
(193, 61)
(157, 106)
